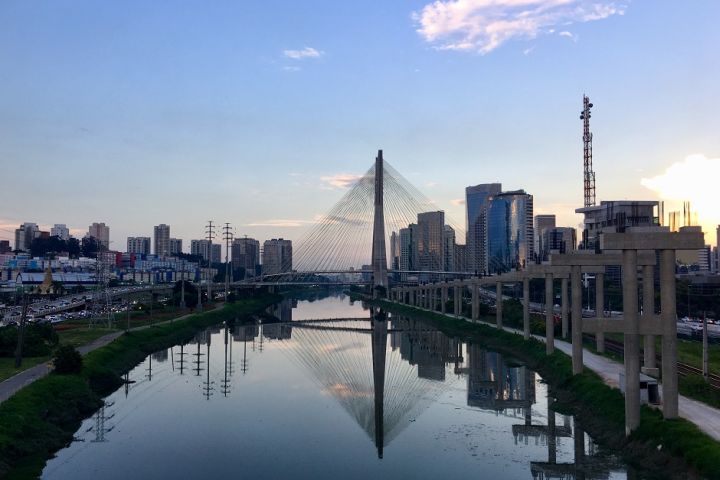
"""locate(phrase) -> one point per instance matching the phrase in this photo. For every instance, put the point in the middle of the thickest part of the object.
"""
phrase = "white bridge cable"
(341, 240)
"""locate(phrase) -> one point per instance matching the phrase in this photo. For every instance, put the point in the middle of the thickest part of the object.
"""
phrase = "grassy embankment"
(664, 447)
(42, 417)
(79, 332)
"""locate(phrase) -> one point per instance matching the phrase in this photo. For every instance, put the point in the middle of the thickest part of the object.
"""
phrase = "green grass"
(42, 417)
(7, 366)
(665, 448)
(690, 352)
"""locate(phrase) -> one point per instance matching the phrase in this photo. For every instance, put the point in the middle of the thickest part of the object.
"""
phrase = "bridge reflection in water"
(385, 371)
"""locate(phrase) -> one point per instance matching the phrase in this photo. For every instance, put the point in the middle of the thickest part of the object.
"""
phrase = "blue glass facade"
(510, 235)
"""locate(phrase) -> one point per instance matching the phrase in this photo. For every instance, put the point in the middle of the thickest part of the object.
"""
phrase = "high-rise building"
(704, 258)
(542, 223)
(510, 235)
(449, 249)
(101, 233)
(5, 246)
(24, 235)
(461, 258)
(394, 251)
(557, 240)
(207, 250)
(406, 241)
(246, 254)
(162, 240)
(138, 245)
(476, 198)
(276, 256)
(175, 246)
(430, 240)
(614, 217)
(61, 231)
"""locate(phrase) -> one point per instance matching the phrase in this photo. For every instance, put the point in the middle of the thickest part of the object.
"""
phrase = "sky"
(138, 113)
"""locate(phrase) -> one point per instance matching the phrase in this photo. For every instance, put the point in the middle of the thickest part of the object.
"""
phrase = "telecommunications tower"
(588, 174)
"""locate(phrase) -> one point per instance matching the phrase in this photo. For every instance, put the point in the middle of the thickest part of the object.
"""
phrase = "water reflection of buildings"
(493, 385)
(425, 347)
(385, 383)
(403, 380)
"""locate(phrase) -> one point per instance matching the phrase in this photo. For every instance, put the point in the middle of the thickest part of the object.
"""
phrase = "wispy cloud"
(281, 223)
(458, 201)
(528, 51)
(483, 25)
(431, 184)
(569, 35)
(307, 52)
(291, 69)
(340, 180)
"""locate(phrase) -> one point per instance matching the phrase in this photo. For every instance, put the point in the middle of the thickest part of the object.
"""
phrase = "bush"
(67, 360)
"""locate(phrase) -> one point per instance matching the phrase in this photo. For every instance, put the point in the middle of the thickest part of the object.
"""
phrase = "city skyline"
(191, 118)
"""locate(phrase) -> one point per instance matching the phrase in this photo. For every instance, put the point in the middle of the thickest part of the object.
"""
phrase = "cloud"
(340, 180)
(280, 223)
(528, 51)
(569, 35)
(307, 52)
(431, 184)
(291, 69)
(458, 201)
(695, 180)
(483, 25)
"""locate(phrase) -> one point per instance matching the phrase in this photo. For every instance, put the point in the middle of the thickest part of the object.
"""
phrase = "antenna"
(588, 174)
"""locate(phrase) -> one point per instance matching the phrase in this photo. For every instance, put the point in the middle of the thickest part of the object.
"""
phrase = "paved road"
(705, 417)
(26, 377)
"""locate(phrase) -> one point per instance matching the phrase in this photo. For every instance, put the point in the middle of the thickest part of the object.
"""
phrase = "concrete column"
(600, 309)
(668, 313)
(577, 348)
(457, 299)
(564, 307)
(433, 303)
(475, 300)
(498, 304)
(549, 317)
(632, 340)
(649, 309)
(551, 435)
(526, 308)
(443, 298)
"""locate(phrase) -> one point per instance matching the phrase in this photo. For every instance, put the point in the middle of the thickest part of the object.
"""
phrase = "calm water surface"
(359, 395)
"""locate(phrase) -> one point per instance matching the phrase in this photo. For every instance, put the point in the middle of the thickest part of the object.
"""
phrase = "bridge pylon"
(379, 254)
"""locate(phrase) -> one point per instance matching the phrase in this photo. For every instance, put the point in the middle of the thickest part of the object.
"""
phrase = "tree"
(90, 247)
(73, 247)
(190, 293)
(67, 360)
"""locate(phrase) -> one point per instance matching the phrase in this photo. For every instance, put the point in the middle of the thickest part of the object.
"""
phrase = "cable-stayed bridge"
(349, 245)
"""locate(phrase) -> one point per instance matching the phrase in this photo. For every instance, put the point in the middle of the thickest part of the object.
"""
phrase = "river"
(333, 391)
